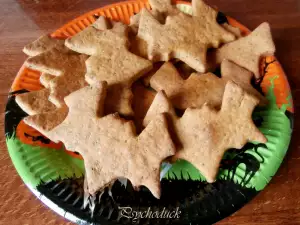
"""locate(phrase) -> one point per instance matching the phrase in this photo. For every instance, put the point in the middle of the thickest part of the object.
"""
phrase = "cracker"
(35, 102)
(142, 99)
(45, 79)
(68, 67)
(102, 23)
(199, 89)
(241, 76)
(193, 92)
(42, 44)
(234, 30)
(135, 20)
(110, 60)
(247, 51)
(183, 37)
(46, 121)
(206, 134)
(110, 146)
(119, 99)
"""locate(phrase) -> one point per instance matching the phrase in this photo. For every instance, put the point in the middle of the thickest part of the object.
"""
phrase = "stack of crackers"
(129, 97)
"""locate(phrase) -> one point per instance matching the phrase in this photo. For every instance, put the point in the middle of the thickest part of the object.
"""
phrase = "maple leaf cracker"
(183, 37)
(111, 61)
(206, 134)
(110, 146)
(247, 51)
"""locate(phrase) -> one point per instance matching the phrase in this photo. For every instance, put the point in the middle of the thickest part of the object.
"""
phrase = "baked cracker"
(247, 51)
(241, 76)
(197, 89)
(183, 37)
(68, 67)
(110, 146)
(45, 79)
(206, 134)
(234, 30)
(35, 102)
(42, 44)
(110, 59)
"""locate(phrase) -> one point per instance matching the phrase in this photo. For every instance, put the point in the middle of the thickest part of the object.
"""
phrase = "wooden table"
(22, 21)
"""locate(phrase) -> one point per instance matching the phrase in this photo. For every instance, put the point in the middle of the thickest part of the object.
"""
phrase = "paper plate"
(55, 175)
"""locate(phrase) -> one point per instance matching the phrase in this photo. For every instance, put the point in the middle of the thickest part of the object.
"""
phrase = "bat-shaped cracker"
(109, 145)
(200, 88)
(111, 61)
(183, 37)
(206, 134)
(246, 51)
(62, 72)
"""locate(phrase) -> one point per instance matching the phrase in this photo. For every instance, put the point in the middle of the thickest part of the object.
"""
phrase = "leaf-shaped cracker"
(247, 51)
(198, 88)
(110, 60)
(205, 134)
(183, 37)
(110, 146)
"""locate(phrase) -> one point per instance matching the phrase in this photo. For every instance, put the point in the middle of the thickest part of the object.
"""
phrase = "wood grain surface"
(22, 21)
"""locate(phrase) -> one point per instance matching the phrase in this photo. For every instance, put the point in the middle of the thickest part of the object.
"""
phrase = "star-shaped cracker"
(109, 145)
(247, 51)
(206, 134)
(199, 89)
(183, 37)
(110, 59)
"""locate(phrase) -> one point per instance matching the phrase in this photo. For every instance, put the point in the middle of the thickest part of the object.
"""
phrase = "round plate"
(55, 175)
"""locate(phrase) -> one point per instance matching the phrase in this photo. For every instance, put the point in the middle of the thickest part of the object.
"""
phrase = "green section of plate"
(36, 164)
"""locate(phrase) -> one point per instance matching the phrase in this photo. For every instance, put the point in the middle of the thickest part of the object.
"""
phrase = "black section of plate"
(13, 114)
(221, 18)
(199, 202)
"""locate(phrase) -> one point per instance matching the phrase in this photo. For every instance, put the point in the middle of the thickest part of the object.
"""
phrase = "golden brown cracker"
(160, 104)
(111, 60)
(119, 99)
(102, 23)
(247, 51)
(45, 79)
(142, 100)
(241, 76)
(35, 102)
(234, 30)
(198, 89)
(110, 146)
(206, 134)
(44, 122)
(193, 92)
(68, 67)
(183, 37)
(42, 44)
